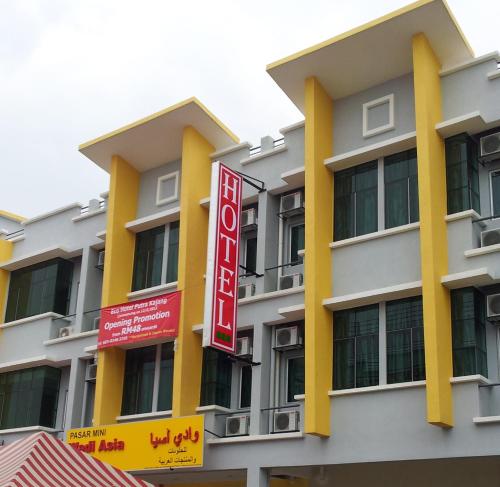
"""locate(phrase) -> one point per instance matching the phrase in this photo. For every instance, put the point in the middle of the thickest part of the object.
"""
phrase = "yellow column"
(193, 233)
(318, 234)
(5, 254)
(433, 236)
(118, 268)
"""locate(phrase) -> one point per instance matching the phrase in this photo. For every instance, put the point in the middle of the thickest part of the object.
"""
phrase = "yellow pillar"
(433, 236)
(318, 234)
(193, 233)
(117, 279)
(5, 254)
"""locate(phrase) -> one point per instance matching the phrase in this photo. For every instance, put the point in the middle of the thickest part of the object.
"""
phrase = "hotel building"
(369, 294)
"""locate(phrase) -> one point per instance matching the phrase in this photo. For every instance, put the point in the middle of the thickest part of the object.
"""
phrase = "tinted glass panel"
(295, 378)
(296, 242)
(495, 192)
(246, 386)
(166, 377)
(251, 254)
(173, 252)
(148, 258)
(216, 379)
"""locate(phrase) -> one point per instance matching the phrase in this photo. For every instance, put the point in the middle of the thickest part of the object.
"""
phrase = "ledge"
(39, 256)
(491, 56)
(74, 336)
(151, 291)
(27, 429)
(299, 397)
(471, 123)
(371, 152)
(486, 420)
(482, 250)
(263, 155)
(301, 253)
(475, 277)
(205, 202)
(198, 329)
(213, 407)
(293, 126)
(27, 363)
(89, 214)
(30, 319)
(380, 388)
(463, 215)
(399, 291)
(231, 148)
(295, 312)
(19, 238)
(294, 177)
(493, 74)
(43, 216)
(138, 417)
(468, 379)
(374, 235)
(270, 295)
(101, 234)
(253, 438)
(154, 220)
(92, 349)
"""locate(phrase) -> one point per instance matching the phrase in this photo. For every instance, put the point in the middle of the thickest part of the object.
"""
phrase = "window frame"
(490, 177)
(240, 385)
(291, 226)
(175, 196)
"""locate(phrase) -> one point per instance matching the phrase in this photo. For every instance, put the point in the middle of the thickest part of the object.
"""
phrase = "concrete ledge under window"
(28, 363)
(471, 123)
(475, 277)
(293, 313)
(374, 235)
(139, 417)
(253, 438)
(468, 379)
(486, 420)
(379, 388)
(74, 336)
(463, 215)
(154, 220)
(30, 319)
(270, 295)
(39, 256)
(28, 429)
(294, 177)
(371, 152)
(213, 408)
(399, 291)
(152, 291)
(482, 250)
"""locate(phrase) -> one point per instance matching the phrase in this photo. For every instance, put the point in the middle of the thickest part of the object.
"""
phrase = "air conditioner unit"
(291, 281)
(100, 259)
(248, 219)
(490, 146)
(288, 337)
(244, 347)
(91, 372)
(246, 290)
(237, 425)
(65, 331)
(490, 237)
(292, 202)
(96, 322)
(285, 421)
(493, 307)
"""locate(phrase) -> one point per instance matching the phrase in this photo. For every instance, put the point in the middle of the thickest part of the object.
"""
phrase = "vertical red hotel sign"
(221, 292)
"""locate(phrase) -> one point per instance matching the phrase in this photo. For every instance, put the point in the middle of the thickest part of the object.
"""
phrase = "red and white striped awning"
(41, 460)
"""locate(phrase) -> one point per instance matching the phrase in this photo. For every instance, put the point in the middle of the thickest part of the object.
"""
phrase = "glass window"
(401, 189)
(148, 379)
(29, 397)
(173, 252)
(245, 386)
(356, 347)
(295, 378)
(495, 193)
(250, 254)
(39, 289)
(216, 378)
(355, 205)
(405, 340)
(297, 242)
(148, 258)
(469, 332)
(462, 177)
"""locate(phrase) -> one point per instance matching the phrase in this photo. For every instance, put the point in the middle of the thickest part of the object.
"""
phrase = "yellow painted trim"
(12, 216)
(117, 279)
(364, 27)
(5, 255)
(433, 234)
(318, 234)
(161, 113)
(193, 234)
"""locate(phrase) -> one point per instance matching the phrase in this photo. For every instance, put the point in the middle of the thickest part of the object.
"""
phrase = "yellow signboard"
(164, 443)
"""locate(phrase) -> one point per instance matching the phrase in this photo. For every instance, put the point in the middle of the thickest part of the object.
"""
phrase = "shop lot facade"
(369, 289)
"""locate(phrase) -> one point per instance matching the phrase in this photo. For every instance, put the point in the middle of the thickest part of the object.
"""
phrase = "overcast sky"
(73, 70)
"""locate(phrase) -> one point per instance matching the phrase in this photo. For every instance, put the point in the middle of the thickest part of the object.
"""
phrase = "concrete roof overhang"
(157, 139)
(373, 53)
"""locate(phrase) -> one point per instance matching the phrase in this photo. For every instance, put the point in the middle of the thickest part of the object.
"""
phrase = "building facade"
(370, 275)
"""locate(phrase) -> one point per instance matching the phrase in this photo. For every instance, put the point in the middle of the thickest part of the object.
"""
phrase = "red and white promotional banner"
(139, 321)
(221, 292)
